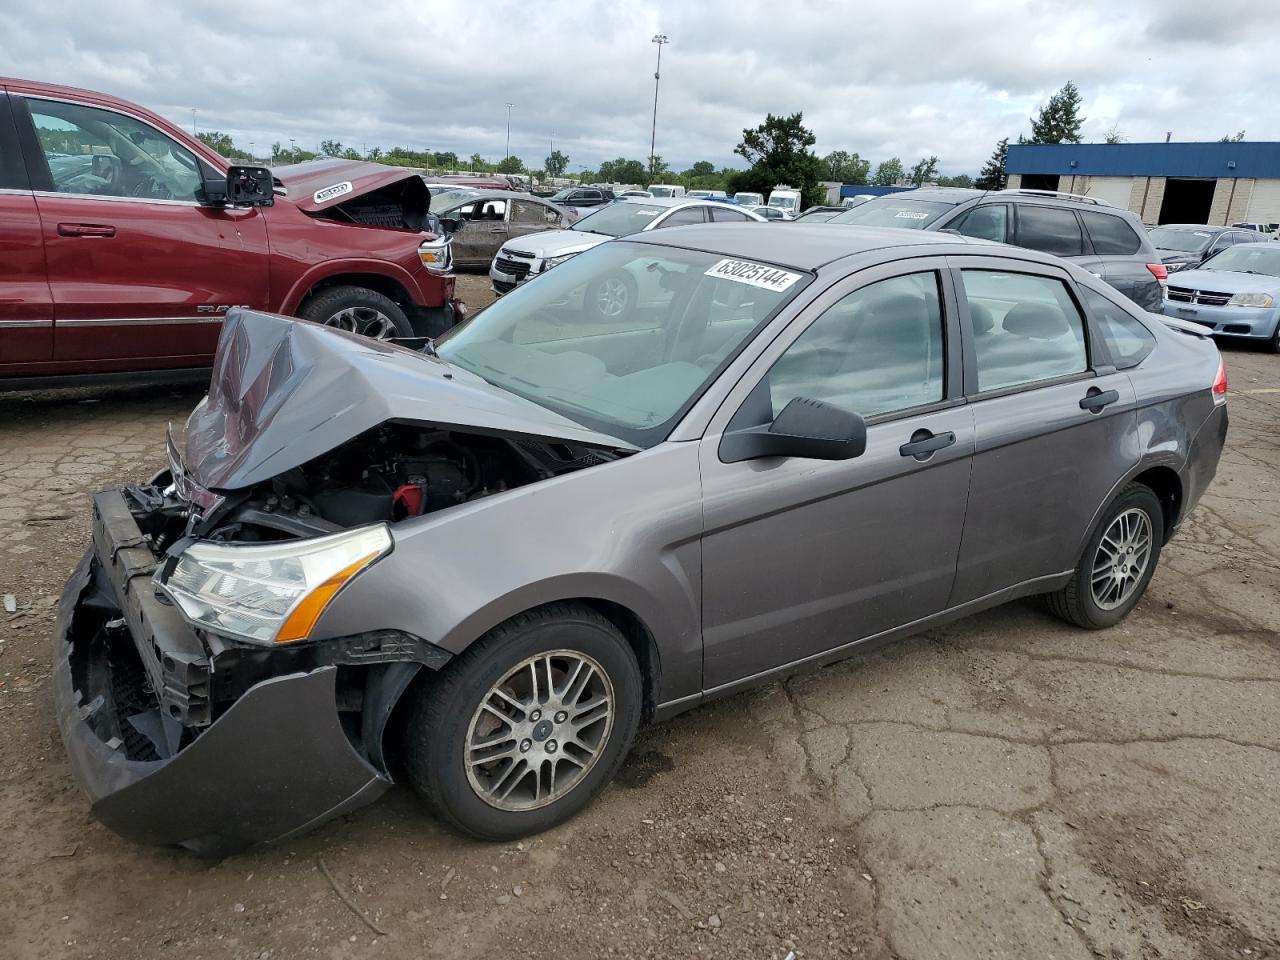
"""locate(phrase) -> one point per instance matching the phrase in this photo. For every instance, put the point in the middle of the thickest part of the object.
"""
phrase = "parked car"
(819, 214)
(749, 199)
(707, 194)
(784, 198)
(1103, 239)
(583, 197)
(478, 181)
(521, 260)
(486, 567)
(129, 261)
(770, 213)
(1184, 245)
(856, 200)
(634, 193)
(1270, 229)
(483, 221)
(1235, 293)
(666, 190)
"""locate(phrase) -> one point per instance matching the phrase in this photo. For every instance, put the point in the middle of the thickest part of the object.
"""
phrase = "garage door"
(1264, 204)
(1114, 190)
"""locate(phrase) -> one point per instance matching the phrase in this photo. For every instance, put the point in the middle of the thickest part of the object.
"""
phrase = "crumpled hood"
(556, 243)
(284, 391)
(1225, 281)
(319, 184)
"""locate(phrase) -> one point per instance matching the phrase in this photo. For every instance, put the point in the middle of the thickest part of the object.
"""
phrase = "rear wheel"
(526, 727)
(1117, 563)
(358, 310)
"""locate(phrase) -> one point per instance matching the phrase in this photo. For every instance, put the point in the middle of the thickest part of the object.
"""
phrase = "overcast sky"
(889, 79)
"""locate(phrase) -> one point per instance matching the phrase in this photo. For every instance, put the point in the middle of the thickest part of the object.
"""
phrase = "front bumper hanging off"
(133, 706)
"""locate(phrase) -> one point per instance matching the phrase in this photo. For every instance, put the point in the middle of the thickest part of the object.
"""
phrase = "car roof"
(663, 201)
(1197, 227)
(477, 194)
(953, 195)
(806, 246)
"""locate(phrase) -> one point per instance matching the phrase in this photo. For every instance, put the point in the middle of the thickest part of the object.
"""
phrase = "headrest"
(1037, 321)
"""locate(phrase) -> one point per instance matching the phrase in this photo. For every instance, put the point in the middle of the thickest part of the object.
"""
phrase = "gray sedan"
(483, 220)
(502, 556)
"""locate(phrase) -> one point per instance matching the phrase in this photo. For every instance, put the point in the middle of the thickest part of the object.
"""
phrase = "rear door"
(529, 216)
(484, 230)
(1116, 244)
(26, 305)
(1054, 423)
(138, 269)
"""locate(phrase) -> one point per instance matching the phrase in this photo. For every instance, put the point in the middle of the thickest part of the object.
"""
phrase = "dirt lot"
(1006, 787)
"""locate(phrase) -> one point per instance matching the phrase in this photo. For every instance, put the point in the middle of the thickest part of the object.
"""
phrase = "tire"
(449, 715)
(1092, 598)
(612, 297)
(1273, 345)
(359, 310)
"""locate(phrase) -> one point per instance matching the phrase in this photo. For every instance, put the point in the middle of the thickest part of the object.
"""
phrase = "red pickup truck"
(123, 242)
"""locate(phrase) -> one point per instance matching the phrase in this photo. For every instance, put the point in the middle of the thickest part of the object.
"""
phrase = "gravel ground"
(1003, 787)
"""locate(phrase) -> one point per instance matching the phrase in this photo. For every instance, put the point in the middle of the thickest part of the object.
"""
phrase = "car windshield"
(633, 371)
(1184, 241)
(662, 191)
(451, 198)
(893, 212)
(1261, 258)
(620, 219)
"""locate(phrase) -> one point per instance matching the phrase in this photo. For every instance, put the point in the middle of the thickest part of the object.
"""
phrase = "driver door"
(138, 269)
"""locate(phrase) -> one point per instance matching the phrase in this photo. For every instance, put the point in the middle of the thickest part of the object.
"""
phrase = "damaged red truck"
(121, 249)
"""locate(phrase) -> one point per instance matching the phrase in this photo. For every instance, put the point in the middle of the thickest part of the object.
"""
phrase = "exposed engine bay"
(389, 474)
(404, 205)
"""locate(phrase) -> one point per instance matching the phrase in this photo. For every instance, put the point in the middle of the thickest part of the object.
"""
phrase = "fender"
(1157, 459)
(332, 268)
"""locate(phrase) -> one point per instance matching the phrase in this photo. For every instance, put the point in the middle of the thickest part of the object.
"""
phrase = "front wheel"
(1273, 345)
(1117, 564)
(526, 727)
(359, 310)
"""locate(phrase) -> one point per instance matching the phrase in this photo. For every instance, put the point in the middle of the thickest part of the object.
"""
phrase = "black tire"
(436, 736)
(329, 307)
(612, 298)
(1075, 603)
(1273, 345)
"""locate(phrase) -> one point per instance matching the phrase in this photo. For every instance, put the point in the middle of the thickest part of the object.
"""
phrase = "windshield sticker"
(1199, 234)
(337, 190)
(908, 215)
(650, 213)
(755, 274)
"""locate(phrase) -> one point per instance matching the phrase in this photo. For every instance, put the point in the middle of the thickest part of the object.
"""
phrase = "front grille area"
(1210, 298)
(511, 267)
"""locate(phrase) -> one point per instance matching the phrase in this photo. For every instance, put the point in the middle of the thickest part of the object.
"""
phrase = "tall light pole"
(660, 39)
(193, 121)
(509, 106)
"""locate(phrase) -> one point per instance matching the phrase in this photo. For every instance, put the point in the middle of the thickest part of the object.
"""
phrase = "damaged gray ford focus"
(485, 565)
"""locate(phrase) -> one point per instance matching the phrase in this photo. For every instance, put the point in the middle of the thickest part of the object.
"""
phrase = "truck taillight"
(1159, 271)
(1220, 383)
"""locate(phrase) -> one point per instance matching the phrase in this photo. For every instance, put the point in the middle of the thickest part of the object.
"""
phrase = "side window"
(106, 154)
(878, 350)
(682, 216)
(1127, 339)
(1051, 229)
(522, 211)
(1110, 234)
(1247, 237)
(492, 210)
(1025, 328)
(728, 216)
(988, 222)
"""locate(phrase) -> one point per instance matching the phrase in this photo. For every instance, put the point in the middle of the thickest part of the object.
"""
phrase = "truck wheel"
(1117, 564)
(359, 310)
(526, 727)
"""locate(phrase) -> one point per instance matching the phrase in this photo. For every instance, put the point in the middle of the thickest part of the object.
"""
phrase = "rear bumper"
(127, 666)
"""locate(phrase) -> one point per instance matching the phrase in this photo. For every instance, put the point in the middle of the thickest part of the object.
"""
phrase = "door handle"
(86, 230)
(1096, 399)
(924, 444)
(497, 230)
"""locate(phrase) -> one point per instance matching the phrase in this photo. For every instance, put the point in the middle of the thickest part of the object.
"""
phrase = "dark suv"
(1108, 242)
(583, 197)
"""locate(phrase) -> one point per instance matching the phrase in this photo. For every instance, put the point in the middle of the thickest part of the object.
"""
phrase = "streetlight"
(193, 121)
(509, 106)
(659, 39)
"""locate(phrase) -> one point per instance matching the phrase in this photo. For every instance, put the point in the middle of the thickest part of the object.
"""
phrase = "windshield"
(893, 212)
(630, 372)
(755, 198)
(448, 199)
(619, 219)
(662, 191)
(1184, 241)
(1261, 258)
(784, 203)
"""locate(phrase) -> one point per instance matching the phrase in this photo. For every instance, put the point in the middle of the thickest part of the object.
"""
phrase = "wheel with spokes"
(1117, 563)
(359, 310)
(612, 298)
(527, 726)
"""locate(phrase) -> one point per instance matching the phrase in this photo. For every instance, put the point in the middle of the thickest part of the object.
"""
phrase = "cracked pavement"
(1006, 786)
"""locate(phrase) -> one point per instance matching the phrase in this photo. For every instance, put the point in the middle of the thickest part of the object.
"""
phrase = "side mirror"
(805, 428)
(451, 224)
(250, 186)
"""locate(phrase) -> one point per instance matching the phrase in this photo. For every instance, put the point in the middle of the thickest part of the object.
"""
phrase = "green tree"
(888, 172)
(703, 168)
(1059, 120)
(778, 151)
(963, 180)
(374, 154)
(284, 155)
(1115, 135)
(622, 170)
(221, 142)
(556, 164)
(477, 163)
(845, 167)
(510, 164)
(992, 176)
(1233, 139)
(924, 170)
(331, 148)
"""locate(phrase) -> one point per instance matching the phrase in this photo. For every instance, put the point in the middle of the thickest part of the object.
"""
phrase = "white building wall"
(1114, 190)
(1264, 203)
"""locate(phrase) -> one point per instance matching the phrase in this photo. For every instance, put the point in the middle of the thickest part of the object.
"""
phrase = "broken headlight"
(270, 593)
(435, 255)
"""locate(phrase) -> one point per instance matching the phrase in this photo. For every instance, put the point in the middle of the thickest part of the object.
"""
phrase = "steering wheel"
(149, 188)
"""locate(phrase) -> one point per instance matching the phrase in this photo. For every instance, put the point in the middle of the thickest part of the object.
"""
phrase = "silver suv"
(1108, 242)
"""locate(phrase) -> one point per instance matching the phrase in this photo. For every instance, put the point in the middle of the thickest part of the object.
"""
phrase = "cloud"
(947, 80)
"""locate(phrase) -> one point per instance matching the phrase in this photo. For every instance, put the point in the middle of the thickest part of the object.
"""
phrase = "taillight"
(1220, 383)
(1159, 271)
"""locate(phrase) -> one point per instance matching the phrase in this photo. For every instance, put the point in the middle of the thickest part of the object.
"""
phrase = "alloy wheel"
(1122, 558)
(366, 321)
(612, 298)
(539, 730)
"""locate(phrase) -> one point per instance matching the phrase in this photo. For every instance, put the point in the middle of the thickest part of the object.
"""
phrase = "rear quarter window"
(1051, 229)
(1128, 340)
(1110, 234)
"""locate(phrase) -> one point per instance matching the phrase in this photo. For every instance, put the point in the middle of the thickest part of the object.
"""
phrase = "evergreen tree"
(1059, 120)
(992, 175)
